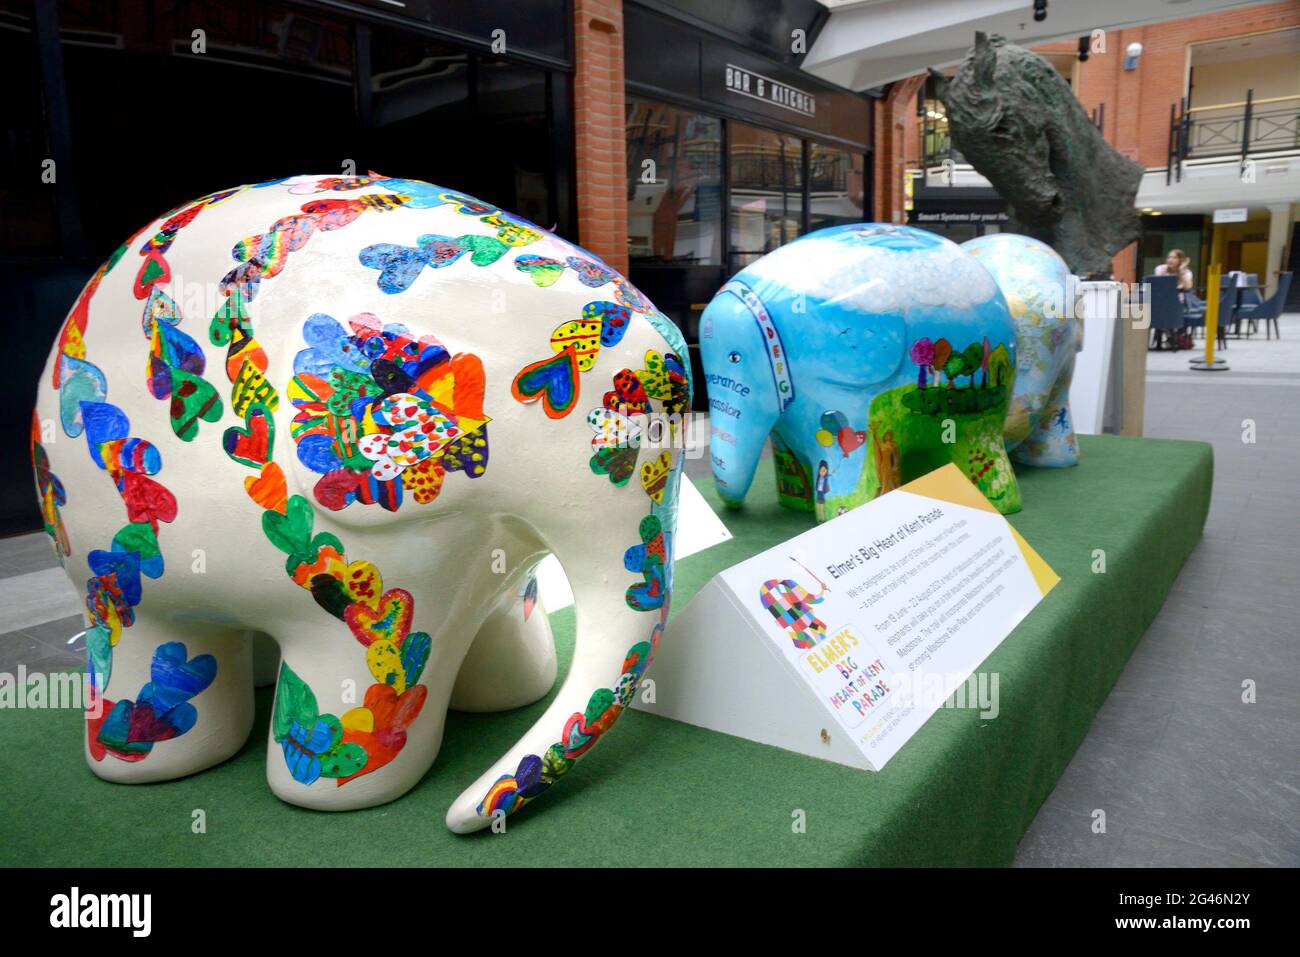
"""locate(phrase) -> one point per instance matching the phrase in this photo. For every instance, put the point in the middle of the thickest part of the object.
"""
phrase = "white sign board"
(865, 625)
(1092, 366)
(1237, 215)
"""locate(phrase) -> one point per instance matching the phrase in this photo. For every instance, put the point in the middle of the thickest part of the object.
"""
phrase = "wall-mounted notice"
(885, 611)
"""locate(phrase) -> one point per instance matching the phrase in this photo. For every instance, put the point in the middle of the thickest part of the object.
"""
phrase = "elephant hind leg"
(1052, 443)
(178, 699)
(512, 661)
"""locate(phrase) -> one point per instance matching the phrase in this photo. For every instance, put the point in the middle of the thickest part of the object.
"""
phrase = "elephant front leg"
(512, 660)
(360, 705)
(1052, 443)
(169, 698)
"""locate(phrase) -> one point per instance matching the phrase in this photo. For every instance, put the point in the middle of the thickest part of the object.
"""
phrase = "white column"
(1279, 231)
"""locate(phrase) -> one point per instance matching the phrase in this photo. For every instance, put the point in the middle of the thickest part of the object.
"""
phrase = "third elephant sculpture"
(871, 354)
(1040, 292)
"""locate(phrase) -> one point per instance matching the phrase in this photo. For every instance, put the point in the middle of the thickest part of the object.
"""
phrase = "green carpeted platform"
(658, 792)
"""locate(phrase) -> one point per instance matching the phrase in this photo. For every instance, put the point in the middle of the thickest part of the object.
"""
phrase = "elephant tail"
(620, 621)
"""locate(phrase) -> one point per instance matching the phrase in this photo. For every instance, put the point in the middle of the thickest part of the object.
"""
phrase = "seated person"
(1176, 264)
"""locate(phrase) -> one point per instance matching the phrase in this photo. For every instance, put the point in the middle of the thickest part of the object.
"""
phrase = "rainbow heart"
(390, 621)
(553, 380)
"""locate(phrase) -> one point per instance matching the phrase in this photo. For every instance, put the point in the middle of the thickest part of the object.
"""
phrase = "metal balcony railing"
(1231, 129)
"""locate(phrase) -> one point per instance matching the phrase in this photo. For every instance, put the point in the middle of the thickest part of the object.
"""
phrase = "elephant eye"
(734, 357)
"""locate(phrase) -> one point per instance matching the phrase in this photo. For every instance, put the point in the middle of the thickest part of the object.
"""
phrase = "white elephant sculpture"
(291, 387)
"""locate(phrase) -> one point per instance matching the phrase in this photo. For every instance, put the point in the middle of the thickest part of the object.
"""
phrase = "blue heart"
(81, 382)
(104, 423)
(125, 565)
(176, 679)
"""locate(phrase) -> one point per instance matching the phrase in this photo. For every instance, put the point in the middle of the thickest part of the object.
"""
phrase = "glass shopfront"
(136, 107)
(729, 155)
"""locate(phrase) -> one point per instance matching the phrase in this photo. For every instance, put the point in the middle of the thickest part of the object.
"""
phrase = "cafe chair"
(1269, 310)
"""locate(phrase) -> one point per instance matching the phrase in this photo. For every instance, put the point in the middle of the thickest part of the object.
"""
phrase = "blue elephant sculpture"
(871, 354)
(1040, 292)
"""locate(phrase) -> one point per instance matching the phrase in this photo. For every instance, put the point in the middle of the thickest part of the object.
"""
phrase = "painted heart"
(613, 318)
(850, 440)
(613, 429)
(390, 621)
(153, 271)
(628, 295)
(654, 476)
(581, 335)
(327, 561)
(244, 350)
(147, 500)
(577, 738)
(253, 444)
(175, 677)
(510, 232)
(268, 489)
(628, 395)
(99, 656)
(553, 380)
(467, 205)
(424, 480)
(103, 423)
(590, 273)
(617, 463)
(193, 399)
(337, 489)
(124, 569)
(82, 382)
(229, 319)
(650, 594)
(543, 271)
(364, 583)
(415, 655)
(484, 250)
(385, 663)
(399, 266)
(468, 454)
(251, 386)
(290, 530)
(328, 592)
(380, 724)
(330, 214)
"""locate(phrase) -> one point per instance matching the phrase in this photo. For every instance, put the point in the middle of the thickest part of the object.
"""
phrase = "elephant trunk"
(745, 367)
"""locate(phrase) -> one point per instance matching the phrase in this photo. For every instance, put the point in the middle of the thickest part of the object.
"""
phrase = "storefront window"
(29, 224)
(674, 160)
(267, 93)
(835, 186)
(427, 98)
(766, 170)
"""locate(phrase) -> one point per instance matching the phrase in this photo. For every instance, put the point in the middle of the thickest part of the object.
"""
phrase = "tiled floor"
(1186, 773)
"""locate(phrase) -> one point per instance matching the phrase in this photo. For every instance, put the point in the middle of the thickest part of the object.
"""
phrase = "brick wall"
(897, 148)
(598, 119)
(1137, 101)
